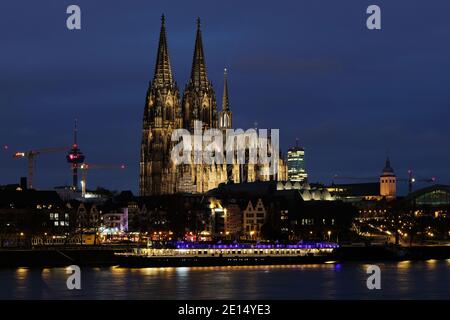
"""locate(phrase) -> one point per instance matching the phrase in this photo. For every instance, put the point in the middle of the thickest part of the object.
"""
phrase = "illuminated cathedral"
(166, 110)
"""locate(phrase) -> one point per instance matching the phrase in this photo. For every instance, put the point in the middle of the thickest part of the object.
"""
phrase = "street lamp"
(329, 235)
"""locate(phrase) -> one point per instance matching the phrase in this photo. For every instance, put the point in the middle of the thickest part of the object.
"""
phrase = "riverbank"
(95, 257)
(105, 256)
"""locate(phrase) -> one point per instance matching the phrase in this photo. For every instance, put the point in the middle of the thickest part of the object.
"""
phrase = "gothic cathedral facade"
(165, 110)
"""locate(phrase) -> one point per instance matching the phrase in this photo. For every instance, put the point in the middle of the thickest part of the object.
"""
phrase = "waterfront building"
(27, 212)
(87, 217)
(233, 220)
(434, 196)
(255, 215)
(388, 182)
(114, 222)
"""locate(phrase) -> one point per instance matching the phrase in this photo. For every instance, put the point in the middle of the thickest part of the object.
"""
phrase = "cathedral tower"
(199, 101)
(162, 114)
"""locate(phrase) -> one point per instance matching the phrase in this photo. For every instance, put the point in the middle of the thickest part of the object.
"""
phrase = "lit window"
(56, 223)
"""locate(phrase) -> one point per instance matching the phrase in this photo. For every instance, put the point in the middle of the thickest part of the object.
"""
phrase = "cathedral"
(166, 110)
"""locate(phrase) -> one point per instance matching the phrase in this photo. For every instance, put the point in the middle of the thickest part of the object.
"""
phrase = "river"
(404, 280)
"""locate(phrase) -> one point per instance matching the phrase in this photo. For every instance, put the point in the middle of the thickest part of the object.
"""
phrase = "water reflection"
(404, 280)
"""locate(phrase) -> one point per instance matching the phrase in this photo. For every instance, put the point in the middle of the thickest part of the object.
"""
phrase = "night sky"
(311, 68)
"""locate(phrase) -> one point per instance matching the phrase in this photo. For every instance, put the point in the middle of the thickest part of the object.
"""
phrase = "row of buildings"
(251, 211)
(260, 210)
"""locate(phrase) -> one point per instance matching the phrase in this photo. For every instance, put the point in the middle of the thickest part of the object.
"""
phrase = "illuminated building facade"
(388, 181)
(255, 216)
(296, 164)
(166, 111)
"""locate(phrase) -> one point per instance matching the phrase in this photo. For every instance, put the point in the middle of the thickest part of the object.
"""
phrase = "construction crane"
(31, 156)
(411, 179)
(85, 167)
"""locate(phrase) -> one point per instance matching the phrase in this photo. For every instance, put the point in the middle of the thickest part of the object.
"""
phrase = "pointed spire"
(387, 167)
(225, 101)
(163, 70)
(198, 74)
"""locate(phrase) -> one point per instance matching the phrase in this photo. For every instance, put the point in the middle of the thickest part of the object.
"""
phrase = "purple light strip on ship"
(312, 245)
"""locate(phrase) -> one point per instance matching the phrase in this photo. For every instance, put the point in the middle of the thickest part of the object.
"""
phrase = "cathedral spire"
(225, 117)
(225, 101)
(198, 74)
(163, 70)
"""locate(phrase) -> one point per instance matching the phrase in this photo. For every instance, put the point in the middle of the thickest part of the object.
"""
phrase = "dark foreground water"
(405, 280)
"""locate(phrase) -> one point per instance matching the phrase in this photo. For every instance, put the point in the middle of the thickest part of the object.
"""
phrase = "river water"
(404, 280)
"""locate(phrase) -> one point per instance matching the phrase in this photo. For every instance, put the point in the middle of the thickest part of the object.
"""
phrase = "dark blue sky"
(310, 68)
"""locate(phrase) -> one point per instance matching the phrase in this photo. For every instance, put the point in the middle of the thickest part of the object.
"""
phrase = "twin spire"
(199, 78)
(198, 73)
(163, 70)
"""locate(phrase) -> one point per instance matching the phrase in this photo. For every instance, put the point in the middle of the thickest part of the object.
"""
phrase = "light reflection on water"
(404, 280)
